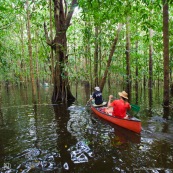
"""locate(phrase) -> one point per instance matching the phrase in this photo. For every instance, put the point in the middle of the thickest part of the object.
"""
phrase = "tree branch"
(70, 13)
(65, 2)
(102, 83)
(5, 26)
(49, 42)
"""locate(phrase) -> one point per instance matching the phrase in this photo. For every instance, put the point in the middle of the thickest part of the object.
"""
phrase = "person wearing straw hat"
(96, 96)
(120, 106)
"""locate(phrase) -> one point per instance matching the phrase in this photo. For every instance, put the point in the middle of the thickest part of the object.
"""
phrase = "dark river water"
(68, 137)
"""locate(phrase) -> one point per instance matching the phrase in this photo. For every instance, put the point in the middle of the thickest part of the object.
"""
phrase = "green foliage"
(89, 15)
(13, 62)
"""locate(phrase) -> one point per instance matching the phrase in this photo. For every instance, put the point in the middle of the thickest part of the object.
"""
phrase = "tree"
(96, 57)
(166, 52)
(150, 81)
(128, 78)
(30, 51)
(62, 18)
(113, 47)
(51, 37)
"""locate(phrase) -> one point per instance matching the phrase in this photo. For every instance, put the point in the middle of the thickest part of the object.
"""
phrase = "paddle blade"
(88, 104)
(135, 108)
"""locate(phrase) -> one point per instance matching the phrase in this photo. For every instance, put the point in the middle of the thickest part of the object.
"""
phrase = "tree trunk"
(37, 60)
(150, 81)
(144, 76)
(96, 57)
(61, 90)
(128, 78)
(90, 67)
(136, 73)
(87, 58)
(22, 56)
(51, 38)
(103, 81)
(166, 52)
(100, 59)
(30, 52)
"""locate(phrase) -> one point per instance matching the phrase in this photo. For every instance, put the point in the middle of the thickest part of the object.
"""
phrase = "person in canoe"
(118, 107)
(96, 96)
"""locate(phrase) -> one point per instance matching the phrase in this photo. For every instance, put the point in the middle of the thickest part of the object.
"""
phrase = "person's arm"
(109, 101)
(90, 100)
(129, 106)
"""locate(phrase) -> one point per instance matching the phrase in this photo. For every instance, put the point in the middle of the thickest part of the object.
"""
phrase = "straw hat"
(123, 94)
(97, 88)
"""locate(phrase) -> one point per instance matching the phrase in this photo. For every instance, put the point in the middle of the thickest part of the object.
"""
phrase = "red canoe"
(132, 124)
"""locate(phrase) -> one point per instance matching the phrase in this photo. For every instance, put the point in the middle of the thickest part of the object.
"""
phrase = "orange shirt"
(120, 108)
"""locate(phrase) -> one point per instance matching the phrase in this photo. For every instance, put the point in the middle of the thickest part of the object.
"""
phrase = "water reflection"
(80, 152)
(120, 135)
(27, 142)
(78, 122)
(64, 140)
(69, 138)
(166, 112)
(1, 117)
(126, 136)
(1, 114)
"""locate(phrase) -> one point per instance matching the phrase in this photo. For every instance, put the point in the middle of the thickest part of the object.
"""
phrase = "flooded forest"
(53, 53)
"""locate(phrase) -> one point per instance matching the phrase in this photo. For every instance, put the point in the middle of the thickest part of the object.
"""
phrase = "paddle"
(135, 107)
(88, 103)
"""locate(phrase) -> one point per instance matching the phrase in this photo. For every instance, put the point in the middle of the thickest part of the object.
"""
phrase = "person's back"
(97, 96)
(120, 107)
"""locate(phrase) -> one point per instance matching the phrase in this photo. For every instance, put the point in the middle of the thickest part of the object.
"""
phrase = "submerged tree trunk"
(61, 90)
(136, 73)
(30, 52)
(96, 57)
(22, 80)
(166, 58)
(100, 59)
(37, 61)
(166, 52)
(87, 65)
(103, 81)
(150, 81)
(128, 76)
(51, 38)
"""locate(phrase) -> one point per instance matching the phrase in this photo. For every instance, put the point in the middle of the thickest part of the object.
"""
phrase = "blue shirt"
(97, 95)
